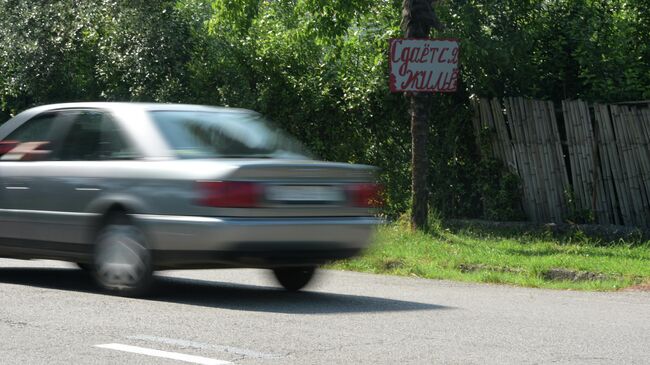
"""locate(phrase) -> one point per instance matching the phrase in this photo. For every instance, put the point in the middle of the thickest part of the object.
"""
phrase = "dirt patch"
(555, 274)
(465, 268)
(640, 287)
(392, 264)
(559, 274)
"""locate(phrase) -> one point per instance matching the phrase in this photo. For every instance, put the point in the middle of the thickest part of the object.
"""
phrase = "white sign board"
(424, 65)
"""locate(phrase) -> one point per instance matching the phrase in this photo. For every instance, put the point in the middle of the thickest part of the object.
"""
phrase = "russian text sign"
(424, 65)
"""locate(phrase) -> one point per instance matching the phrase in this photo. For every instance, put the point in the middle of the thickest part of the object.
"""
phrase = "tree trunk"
(418, 18)
(419, 159)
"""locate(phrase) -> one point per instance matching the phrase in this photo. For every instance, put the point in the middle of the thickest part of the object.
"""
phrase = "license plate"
(300, 193)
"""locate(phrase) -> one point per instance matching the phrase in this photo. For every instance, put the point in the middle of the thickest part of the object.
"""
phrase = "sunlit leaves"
(63, 51)
(597, 50)
(319, 67)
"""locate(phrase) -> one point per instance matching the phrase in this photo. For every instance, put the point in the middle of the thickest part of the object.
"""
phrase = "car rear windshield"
(200, 134)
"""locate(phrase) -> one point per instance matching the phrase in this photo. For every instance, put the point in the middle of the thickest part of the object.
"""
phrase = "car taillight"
(229, 194)
(366, 195)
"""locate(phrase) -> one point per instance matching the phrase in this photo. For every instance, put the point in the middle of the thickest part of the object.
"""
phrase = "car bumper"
(182, 241)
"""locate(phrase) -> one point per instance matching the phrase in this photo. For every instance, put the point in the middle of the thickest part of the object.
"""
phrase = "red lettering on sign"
(442, 53)
(393, 49)
(434, 50)
(424, 65)
(454, 54)
(425, 53)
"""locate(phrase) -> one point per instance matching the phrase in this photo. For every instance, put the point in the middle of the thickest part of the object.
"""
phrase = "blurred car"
(124, 189)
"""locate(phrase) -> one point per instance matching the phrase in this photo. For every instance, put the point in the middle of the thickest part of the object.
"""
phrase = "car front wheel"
(121, 261)
(294, 278)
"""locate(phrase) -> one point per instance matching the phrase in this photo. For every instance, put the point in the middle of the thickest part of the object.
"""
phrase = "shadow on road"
(220, 294)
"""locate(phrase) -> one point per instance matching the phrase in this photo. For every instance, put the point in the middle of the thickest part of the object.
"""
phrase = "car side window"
(36, 129)
(94, 136)
(112, 144)
(30, 141)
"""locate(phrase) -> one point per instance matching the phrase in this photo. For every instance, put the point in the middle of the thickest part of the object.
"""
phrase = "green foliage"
(88, 50)
(556, 49)
(577, 215)
(319, 69)
(500, 191)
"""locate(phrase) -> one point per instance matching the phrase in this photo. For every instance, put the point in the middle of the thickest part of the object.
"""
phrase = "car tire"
(122, 263)
(294, 278)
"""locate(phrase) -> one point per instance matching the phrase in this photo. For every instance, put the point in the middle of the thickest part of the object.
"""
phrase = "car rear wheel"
(294, 278)
(121, 261)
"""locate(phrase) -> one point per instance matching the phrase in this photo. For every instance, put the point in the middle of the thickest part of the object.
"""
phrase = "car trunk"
(273, 188)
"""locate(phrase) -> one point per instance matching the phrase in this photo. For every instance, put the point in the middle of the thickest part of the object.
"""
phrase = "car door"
(78, 173)
(21, 206)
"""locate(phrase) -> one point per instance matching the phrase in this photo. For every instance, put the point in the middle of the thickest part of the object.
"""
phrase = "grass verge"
(539, 259)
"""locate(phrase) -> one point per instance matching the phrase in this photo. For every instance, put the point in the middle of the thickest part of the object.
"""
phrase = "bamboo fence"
(523, 134)
(592, 160)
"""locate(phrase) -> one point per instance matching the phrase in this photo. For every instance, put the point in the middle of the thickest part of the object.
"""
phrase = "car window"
(30, 141)
(93, 136)
(37, 129)
(198, 134)
(112, 144)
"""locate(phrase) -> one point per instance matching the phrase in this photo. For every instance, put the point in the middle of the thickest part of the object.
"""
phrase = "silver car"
(124, 189)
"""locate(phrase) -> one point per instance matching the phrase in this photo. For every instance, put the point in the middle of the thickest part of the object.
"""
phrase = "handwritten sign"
(424, 65)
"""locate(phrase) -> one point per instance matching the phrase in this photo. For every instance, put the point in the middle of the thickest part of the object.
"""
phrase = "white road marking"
(205, 346)
(163, 354)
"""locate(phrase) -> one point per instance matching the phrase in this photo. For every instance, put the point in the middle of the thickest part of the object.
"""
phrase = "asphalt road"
(50, 313)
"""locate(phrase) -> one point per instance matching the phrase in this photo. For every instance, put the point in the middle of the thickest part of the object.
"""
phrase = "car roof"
(116, 108)
(136, 105)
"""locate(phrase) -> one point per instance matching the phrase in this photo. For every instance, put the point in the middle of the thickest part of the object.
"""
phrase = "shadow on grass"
(521, 235)
(545, 252)
(219, 294)
(563, 234)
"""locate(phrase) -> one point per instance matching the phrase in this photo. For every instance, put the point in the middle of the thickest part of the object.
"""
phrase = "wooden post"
(418, 18)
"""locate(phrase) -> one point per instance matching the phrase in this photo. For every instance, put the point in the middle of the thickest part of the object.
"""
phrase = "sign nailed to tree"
(424, 65)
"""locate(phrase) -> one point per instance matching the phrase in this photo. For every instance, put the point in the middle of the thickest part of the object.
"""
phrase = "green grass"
(505, 257)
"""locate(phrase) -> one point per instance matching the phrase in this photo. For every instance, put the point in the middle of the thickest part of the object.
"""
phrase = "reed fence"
(591, 161)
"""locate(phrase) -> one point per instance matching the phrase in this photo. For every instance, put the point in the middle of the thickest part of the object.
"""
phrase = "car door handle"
(16, 184)
(86, 188)
(17, 187)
